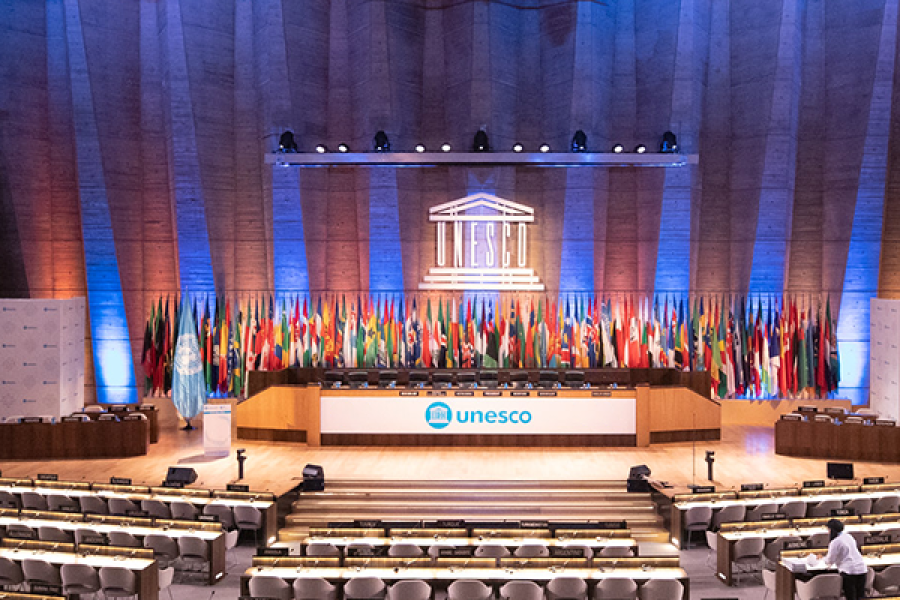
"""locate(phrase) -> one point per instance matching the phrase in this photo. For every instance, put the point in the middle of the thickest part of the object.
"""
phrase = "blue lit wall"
(288, 241)
(385, 250)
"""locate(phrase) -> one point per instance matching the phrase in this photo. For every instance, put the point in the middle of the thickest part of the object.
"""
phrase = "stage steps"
(490, 500)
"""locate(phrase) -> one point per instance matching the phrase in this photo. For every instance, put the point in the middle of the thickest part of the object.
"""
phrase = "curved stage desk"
(478, 417)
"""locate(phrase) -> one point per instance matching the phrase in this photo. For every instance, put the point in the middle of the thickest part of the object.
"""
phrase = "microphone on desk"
(211, 594)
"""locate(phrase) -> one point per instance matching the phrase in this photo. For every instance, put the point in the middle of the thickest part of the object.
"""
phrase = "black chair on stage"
(548, 379)
(334, 379)
(387, 379)
(358, 379)
(442, 380)
(487, 379)
(465, 379)
(574, 379)
(418, 379)
(519, 379)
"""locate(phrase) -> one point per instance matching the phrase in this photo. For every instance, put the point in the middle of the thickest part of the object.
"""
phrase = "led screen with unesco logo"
(438, 415)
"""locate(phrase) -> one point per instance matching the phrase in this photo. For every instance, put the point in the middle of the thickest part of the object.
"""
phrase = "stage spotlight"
(517, 147)
(420, 148)
(640, 148)
(618, 149)
(481, 142)
(286, 142)
(669, 143)
(321, 149)
(445, 147)
(579, 141)
(545, 148)
(343, 148)
(382, 144)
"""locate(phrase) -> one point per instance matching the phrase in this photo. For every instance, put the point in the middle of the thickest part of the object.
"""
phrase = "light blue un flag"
(188, 384)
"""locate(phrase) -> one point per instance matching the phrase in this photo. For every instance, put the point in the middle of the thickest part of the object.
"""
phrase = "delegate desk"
(730, 533)
(74, 439)
(148, 410)
(478, 416)
(681, 503)
(448, 570)
(138, 560)
(869, 440)
(264, 502)
(794, 565)
(103, 525)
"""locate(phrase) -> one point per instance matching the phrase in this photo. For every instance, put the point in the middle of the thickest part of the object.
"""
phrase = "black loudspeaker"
(637, 479)
(313, 478)
(185, 475)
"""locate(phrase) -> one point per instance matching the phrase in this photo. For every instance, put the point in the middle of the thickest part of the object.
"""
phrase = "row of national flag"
(781, 348)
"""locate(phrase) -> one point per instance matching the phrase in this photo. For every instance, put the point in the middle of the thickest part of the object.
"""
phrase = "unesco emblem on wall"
(486, 247)
(438, 415)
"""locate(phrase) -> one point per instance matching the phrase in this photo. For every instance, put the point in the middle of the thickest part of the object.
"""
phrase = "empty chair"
(548, 379)
(122, 507)
(491, 551)
(107, 417)
(468, 589)
(795, 509)
(93, 505)
(223, 512)
(193, 551)
(40, 572)
(824, 508)
(893, 532)
(418, 379)
(712, 541)
(860, 506)
(166, 576)
(123, 539)
(826, 585)
(769, 581)
(117, 582)
(696, 518)
(8, 500)
(364, 587)
(314, 588)
(748, 555)
(568, 587)
(78, 579)
(756, 513)
(405, 550)
(772, 552)
(61, 502)
(532, 551)
(662, 589)
(616, 588)
(87, 536)
(183, 510)
(94, 408)
(487, 379)
(518, 379)
(34, 501)
(165, 549)
(266, 586)
(819, 540)
(859, 536)
(54, 534)
(870, 582)
(887, 581)
(520, 590)
(730, 514)
(616, 552)
(156, 509)
(322, 549)
(20, 531)
(410, 589)
(886, 504)
(248, 518)
(11, 575)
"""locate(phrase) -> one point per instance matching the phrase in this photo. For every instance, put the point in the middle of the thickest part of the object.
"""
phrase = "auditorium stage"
(745, 454)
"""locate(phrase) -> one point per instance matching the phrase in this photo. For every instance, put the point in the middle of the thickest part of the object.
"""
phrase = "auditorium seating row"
(795, 575)
(242, 510)
(371, 587)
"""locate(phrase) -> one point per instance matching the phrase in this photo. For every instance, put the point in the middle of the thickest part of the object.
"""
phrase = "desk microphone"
(211, 594)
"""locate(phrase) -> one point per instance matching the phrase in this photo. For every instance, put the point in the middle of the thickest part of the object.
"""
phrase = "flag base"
(188, 427)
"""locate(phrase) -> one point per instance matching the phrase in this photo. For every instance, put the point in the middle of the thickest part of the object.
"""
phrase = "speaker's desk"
(478, 416)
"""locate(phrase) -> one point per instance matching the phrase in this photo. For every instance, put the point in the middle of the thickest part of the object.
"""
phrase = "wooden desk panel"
(811, 439)
(85, 439)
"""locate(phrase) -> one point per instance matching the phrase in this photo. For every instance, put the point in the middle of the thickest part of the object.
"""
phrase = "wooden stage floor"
(745, 454)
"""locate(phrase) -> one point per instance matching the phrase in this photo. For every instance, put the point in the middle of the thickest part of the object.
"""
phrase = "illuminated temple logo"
(488, 246)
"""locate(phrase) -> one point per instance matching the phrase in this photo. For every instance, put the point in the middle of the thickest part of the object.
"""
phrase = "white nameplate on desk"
(459, 415)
